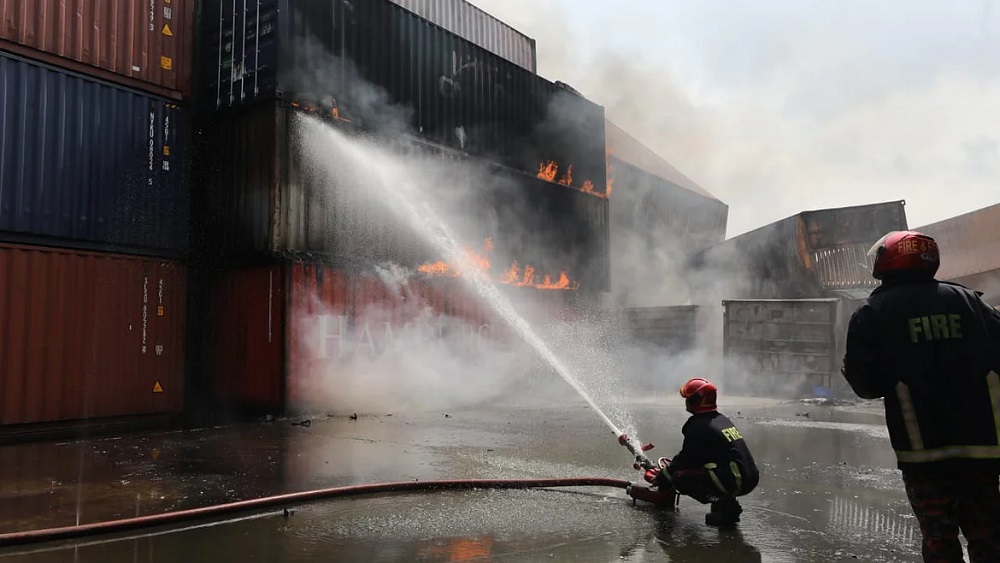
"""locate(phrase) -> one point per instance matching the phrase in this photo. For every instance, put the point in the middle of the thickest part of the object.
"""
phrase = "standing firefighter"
(714, 465)
(932, 350)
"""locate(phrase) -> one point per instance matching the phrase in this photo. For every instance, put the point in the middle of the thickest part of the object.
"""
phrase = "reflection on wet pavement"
(829, 492)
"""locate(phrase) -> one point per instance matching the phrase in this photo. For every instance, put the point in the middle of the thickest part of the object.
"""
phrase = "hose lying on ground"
(151, 520)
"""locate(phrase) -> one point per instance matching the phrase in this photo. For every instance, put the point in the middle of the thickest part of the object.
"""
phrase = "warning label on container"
(166, 63)
(159, 311)
(157, 388)
(155, 454)
(166, 30)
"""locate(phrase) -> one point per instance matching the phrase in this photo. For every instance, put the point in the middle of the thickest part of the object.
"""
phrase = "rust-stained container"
(786, 347)
(814, 254)
(89, 335)
(144, 44)
(294, 336)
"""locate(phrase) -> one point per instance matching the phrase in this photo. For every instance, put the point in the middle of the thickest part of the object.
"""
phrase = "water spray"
(426, 222)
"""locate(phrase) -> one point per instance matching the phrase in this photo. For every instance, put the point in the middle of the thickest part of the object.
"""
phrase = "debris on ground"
(353, 416)
(446, 415)
(305, 423)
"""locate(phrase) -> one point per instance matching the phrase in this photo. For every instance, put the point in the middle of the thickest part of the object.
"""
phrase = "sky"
(781, 106)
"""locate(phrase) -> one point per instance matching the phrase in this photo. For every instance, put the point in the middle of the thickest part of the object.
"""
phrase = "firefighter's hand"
(650, 475)
(623, 439)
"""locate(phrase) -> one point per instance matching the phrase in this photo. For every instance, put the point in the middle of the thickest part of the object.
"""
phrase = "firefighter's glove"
(623, 439)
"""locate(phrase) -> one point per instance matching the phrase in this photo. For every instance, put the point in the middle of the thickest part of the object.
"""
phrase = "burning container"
(89, 335)
(786, 348)
(260, 197)
(145, 45)
(88, 163)
(813, 254)
(382, 66)
(285, 336)
(471, 23)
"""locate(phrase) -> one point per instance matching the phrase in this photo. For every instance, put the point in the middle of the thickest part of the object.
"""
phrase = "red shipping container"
(142, 44)
(89, 335)
(277, 333)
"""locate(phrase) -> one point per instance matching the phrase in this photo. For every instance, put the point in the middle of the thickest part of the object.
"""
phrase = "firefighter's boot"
(725, 512)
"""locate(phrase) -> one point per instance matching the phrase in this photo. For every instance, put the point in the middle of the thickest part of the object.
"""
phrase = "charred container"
(90, 164)
(384, 67)
(145, 45)
(261, 198)
(814, 254)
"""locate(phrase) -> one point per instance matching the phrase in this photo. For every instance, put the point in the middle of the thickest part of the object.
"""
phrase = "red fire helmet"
(901, 252)
(699, 395)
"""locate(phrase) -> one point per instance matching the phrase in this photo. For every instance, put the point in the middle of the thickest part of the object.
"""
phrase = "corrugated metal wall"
(89, 335)
(471, 23)
(87, 162)
(673, 329)
(247, 339)
(380, 65)
(782, 348)
(148, 42)
(658, 208)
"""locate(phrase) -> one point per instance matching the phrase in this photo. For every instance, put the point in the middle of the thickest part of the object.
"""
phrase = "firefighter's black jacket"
(932, 350)
(712, 441)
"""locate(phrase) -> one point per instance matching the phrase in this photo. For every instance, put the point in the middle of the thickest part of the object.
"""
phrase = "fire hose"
(215, 511)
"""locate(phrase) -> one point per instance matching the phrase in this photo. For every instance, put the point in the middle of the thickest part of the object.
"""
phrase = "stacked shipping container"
(287, 244)
(93, 208)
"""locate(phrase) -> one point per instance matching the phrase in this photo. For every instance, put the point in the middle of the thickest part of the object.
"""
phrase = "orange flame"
(547, 170)
(610, 174)
(511, 276)
(567, 179)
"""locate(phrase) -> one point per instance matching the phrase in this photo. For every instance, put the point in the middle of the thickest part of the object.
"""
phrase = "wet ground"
(829, 489)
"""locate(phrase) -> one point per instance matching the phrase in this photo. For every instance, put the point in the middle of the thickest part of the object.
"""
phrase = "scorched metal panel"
(88, 335)
(148, 42)
(477, 26)
(809, 255)
(83, 160)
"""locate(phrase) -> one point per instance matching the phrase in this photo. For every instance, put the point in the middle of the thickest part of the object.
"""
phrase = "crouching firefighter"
(932, 350)
(714, 465)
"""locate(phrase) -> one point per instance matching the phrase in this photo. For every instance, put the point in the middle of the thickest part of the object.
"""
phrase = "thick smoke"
(795, 106)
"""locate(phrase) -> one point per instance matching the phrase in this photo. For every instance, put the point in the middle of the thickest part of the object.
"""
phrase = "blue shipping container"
(87, 163)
